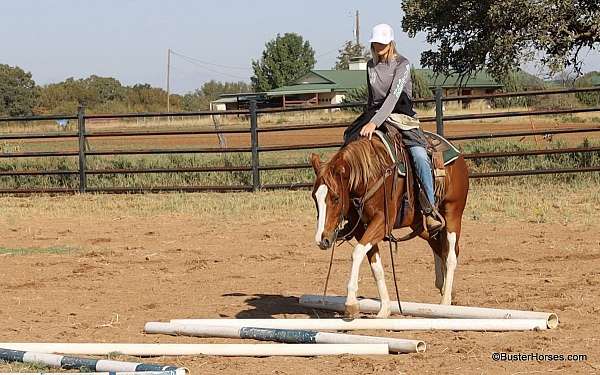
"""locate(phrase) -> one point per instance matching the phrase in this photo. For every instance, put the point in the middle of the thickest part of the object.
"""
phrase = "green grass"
(18, 367)
(34, 250)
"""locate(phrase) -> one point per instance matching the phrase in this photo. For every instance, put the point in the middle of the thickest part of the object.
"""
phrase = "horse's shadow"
(265, 306)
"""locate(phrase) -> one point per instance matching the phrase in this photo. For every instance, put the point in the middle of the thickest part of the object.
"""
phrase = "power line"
(208, 63)
(212, 70)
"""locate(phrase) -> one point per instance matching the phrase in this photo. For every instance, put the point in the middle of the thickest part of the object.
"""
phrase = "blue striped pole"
(76, 363)
(289, 336)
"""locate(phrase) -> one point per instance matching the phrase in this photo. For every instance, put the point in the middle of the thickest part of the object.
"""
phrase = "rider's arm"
(401, 76)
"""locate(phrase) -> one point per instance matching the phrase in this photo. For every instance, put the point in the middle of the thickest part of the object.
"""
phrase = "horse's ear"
(315, 160)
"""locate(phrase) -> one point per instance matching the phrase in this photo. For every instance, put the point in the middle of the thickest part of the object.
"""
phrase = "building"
(321, 87)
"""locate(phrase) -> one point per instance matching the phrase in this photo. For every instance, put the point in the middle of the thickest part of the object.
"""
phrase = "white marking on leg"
(377, 269)
(450, 267)
(358, 254)
(439, 273)
(321, 194)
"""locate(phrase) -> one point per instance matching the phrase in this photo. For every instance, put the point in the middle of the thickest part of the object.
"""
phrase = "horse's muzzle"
(324, 244)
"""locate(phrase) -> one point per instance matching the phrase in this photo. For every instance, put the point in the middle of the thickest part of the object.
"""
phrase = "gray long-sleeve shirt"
(387, 83)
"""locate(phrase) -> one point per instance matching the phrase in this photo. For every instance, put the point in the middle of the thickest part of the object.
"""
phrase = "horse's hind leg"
(437, 246)
(451, 250)
(377, 269)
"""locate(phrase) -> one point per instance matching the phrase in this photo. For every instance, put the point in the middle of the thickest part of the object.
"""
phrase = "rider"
(390, 100)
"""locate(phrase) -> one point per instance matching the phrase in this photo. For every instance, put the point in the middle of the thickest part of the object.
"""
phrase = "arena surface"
(126, 265)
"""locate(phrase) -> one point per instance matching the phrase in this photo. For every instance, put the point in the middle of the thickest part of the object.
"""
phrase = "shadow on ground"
(263, 306)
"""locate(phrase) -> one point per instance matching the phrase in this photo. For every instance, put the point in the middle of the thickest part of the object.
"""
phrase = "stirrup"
(437, 215)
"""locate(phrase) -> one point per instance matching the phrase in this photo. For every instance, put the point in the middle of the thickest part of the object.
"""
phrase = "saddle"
(441, 153)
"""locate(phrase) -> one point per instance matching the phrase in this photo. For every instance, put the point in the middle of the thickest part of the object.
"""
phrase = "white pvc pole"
(386, 324)
(429, 310)
(232, 350)
(290, 336)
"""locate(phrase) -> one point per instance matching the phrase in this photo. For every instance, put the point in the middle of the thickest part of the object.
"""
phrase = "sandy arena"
(128, 263)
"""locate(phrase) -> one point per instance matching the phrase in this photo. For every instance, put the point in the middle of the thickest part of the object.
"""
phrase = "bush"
(588, 98)
(518, 81)
(360, 94)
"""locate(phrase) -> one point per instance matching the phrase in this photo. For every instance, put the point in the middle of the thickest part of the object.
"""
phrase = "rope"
(390, 238)
(329, 271)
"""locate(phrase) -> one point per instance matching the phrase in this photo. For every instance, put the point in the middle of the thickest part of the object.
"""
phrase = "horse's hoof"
(383, 314)
(351, 311)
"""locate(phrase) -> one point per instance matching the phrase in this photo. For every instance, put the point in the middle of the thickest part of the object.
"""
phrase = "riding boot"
(433, 224)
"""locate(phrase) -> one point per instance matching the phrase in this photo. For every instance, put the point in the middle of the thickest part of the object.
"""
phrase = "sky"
(128, 39)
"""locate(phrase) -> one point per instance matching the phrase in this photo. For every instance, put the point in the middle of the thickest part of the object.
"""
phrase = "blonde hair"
(391, 53)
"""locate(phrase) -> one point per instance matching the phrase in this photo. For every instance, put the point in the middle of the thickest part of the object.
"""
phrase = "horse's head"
(331, 193)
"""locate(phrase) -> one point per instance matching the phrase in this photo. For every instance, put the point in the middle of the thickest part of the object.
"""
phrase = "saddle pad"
(440, 143)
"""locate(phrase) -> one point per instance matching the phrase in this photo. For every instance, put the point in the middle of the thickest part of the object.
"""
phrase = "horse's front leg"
(377, 269)
(373, 235)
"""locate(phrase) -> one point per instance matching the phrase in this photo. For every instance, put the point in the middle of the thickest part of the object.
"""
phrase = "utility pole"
(169, 80)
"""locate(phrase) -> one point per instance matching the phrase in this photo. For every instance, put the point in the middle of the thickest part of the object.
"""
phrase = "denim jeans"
(423, 167)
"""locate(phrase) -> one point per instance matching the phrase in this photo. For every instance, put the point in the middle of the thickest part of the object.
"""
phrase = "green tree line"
(21, 96)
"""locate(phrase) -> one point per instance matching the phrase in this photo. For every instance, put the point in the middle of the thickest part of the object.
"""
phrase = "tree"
(420, 85)
(103, 95)
(500, 35)
(211, 90)
(588, 98)
(348, 51)
(18, 93)
(420, 90)
(515, 81)
(283, 59)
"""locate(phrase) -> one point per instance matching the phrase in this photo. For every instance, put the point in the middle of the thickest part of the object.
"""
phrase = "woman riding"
(390, 100)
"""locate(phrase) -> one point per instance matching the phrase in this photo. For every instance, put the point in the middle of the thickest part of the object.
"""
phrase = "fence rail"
(82, 151)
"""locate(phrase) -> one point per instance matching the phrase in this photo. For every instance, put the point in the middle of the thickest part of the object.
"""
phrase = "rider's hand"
(367, 130)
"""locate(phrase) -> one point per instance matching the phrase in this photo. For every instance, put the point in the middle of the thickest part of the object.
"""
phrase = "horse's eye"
(336, 200)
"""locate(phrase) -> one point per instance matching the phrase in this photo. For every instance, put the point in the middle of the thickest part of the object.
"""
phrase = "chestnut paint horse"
(356, 170)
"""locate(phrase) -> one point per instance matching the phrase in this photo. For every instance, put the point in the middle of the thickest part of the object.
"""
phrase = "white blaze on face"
(321, 194)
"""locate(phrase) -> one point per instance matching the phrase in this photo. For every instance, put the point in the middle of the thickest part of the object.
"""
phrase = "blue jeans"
(423, 166)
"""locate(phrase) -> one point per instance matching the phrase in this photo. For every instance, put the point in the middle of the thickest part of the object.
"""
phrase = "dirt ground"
(125, 269)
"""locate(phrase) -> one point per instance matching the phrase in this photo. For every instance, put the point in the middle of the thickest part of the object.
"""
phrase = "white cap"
(382, 33)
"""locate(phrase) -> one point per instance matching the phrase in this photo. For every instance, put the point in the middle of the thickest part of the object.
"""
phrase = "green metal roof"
(323, 81)
(345, 80)
(310, 88)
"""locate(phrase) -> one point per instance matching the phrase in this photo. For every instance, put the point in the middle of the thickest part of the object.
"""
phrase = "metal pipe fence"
(254, 167)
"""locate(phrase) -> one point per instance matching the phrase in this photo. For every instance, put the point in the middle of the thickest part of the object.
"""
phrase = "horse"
(360, 171)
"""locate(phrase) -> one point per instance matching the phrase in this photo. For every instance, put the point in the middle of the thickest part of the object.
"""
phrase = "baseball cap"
(382, 33)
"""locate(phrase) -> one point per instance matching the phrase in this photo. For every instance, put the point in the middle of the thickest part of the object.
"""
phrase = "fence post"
(254, 145)
(81, 134)
(439, 111)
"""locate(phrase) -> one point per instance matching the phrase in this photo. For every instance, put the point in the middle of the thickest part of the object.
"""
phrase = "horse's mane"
(365, 159)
